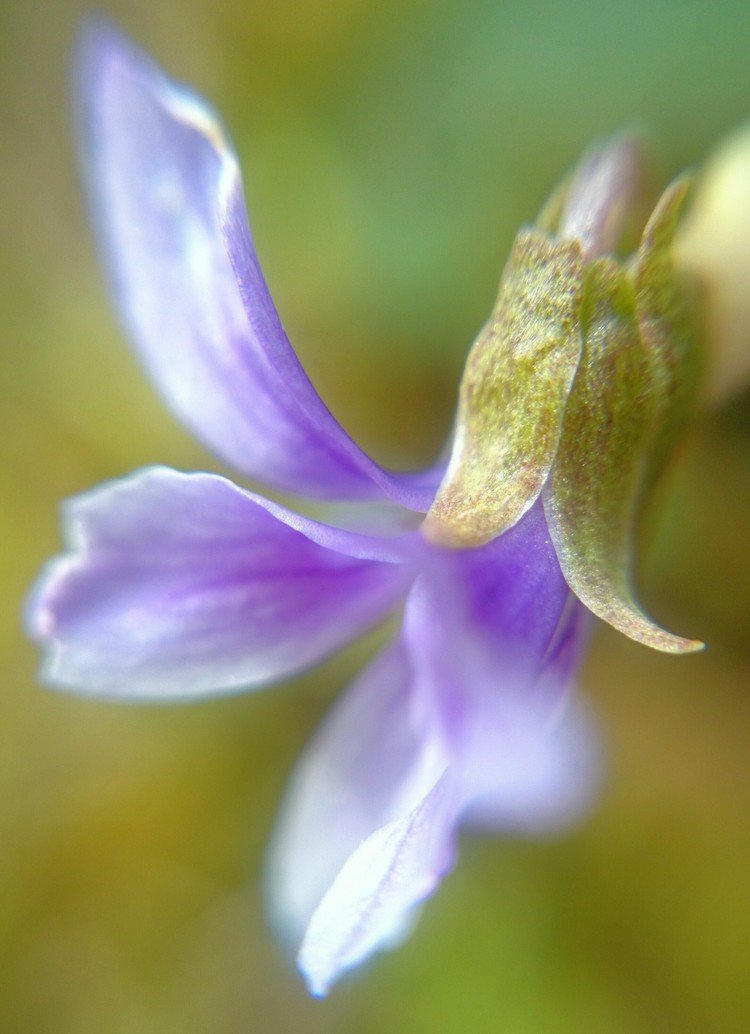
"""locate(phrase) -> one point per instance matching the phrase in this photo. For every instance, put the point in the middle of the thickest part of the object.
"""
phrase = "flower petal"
(545, 777)
(496, 635)
(367, 827)
(171, 216)
(180, 585)
(464, 718)
(371, 903)
(605, 195)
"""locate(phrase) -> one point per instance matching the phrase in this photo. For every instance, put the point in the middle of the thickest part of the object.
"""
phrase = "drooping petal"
(171, 217)
(496, 636)
(180, 585)
(545, 777)
(373, 900)
(464, 717)
(365, 831)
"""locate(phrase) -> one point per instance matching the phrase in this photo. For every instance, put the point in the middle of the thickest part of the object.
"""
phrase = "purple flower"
(179, 586)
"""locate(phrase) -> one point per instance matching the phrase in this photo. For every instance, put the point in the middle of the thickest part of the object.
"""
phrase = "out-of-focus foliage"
(390, 151)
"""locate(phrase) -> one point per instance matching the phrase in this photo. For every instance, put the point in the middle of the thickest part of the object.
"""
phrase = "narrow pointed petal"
(181, 585)
(595, 488)
(373, 898)
(462, 718)
(168, 199)
(370, 790)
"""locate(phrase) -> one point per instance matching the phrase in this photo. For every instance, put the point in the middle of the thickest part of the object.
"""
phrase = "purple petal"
(373, 900)
(180, 585)
(495, 636)
(465, 718)
(366, 831)
(540, 777)
(171, 216)
(605, 190)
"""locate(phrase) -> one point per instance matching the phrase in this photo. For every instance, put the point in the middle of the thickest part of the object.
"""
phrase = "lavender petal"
(495, 637)
(167, 195)
(367, 827)
(177, 586)
(465, 719)
(373, 900)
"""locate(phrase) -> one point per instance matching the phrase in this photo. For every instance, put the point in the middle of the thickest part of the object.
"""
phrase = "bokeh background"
(390, 150)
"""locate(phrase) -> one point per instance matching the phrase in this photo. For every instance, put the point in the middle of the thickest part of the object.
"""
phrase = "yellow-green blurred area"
(390, 150)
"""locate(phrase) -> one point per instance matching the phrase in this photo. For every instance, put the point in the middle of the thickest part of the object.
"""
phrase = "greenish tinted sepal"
(666, 307)
(513, 394)
(595, 483)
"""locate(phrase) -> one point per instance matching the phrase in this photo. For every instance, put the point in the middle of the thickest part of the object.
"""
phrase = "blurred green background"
(390, 150)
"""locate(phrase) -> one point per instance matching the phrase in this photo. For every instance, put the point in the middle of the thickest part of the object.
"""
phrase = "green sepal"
(593, 493)
(669, 325)
(513, 395)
